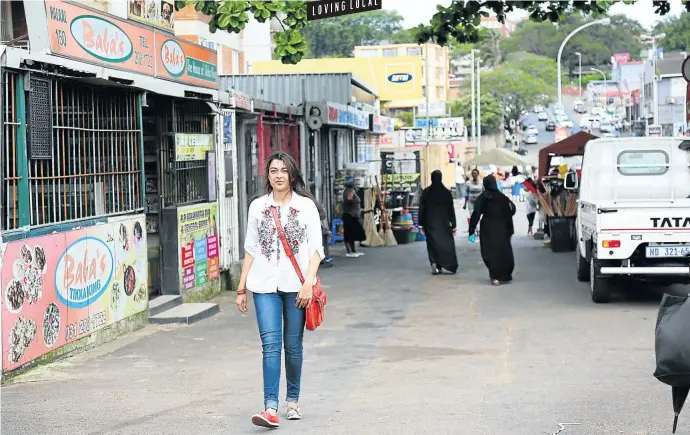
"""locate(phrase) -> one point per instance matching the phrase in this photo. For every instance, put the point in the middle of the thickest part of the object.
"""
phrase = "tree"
(596, 43)
(403, 36)
(458, 22)
(405, 118)
(489, 46)
(541, 67)
(677, 30)
(491, 113)
(515, 90)
(337, 37)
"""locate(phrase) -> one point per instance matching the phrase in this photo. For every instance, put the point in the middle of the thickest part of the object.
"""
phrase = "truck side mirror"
(571, 181)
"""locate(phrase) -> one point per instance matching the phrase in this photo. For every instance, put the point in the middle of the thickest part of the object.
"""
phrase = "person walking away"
(496, 213)
(326, 235)
(460, 180)
(353, 231)
(280, 298)
(532, 203)
(473, 189)
(437, 222)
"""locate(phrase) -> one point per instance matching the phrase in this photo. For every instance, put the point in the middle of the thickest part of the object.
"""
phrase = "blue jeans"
(280, 321)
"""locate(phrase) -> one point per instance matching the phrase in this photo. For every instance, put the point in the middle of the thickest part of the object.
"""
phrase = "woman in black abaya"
(496, 213)
(437, 223)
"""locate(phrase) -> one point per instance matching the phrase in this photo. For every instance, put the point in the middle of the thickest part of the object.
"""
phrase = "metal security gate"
(81, 157)
(10, 173)
(184, 182)
(89, 164)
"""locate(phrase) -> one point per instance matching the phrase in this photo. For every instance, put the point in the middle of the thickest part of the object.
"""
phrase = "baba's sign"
(320, 9)
(105, 40)
(83, 272)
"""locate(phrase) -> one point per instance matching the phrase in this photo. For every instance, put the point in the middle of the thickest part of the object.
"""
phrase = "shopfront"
(336, 130)
(106, 150)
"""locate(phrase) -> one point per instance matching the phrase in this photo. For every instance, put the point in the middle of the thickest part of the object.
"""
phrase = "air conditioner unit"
(213, 45)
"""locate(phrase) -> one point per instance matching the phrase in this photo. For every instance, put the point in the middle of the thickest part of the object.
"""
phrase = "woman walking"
(532, 203)
(437, 223)
(353, 231)
(473, 189)
(496, 213)
(279, 297)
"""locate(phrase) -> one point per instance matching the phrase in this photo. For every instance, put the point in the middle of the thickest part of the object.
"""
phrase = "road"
(546, 138)
(401, 352)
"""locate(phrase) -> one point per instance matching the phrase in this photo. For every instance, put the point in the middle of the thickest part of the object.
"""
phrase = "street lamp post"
(604, 21)
(474, 109)
(472, 96)
(479, 108)
(605, 84)
(579, 69)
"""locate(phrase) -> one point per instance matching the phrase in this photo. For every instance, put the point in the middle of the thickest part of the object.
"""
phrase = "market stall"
(571, 146)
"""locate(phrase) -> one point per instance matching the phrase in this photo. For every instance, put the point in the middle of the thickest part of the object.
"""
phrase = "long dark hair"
(297, 183)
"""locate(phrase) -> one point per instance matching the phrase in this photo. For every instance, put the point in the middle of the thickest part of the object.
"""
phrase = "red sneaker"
(265, 419)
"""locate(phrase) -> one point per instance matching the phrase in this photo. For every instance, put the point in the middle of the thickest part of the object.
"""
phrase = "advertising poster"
(62, 287)
(185, 62)
(192, 146)
(198, 234)
(157, 13)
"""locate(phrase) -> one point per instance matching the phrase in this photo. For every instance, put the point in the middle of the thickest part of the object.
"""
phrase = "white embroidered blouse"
(272, 270)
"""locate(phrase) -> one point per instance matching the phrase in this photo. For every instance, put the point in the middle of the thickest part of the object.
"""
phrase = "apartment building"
(438, 63)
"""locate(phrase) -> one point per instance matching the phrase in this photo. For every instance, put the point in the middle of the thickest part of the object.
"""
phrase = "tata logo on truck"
(400, 78)
(674, 222)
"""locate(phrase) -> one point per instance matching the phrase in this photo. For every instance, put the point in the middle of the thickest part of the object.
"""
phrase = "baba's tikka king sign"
(320, 9)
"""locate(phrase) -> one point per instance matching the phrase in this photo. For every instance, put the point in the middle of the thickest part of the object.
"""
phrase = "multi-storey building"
(438, 63)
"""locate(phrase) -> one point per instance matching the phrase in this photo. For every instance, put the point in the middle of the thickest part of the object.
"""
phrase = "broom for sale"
(373, 238)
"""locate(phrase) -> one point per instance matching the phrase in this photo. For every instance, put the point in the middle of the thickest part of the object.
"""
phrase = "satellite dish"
(314, 122)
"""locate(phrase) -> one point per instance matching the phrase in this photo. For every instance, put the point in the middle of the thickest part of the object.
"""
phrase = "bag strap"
(286, 245)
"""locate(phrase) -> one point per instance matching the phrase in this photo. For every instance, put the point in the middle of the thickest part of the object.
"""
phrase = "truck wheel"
(582, 266)
(599, 287)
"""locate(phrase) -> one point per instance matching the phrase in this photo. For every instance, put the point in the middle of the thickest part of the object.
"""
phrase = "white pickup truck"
(634, 212)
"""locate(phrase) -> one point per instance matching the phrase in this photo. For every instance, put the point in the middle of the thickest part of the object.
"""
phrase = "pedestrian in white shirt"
(279, 297)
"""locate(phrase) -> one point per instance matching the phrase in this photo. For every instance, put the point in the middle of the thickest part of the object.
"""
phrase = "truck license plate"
(666, 251)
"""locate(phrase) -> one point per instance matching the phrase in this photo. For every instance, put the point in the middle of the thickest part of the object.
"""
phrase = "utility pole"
(426, 80)
(473, 95)
(479, 108)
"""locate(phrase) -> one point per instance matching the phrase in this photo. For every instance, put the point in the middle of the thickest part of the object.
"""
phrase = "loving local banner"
(61, 287)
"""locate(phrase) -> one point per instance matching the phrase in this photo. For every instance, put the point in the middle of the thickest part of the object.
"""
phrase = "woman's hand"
(241, 301)
(304, 296)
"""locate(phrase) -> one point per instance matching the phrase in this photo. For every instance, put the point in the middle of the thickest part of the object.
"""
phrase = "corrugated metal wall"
(287, 88)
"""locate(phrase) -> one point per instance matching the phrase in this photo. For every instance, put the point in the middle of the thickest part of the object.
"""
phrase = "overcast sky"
(420, 11)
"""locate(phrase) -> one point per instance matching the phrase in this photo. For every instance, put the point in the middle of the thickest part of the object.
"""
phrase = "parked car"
(532, 129)
(606, 127)
(531, 139)
(543, 116)
(550, 126)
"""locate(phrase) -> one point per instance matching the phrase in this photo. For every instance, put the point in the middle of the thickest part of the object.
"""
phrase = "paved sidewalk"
(401, 352)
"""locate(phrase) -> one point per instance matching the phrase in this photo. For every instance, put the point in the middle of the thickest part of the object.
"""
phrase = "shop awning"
(571, 146)
(498, 157)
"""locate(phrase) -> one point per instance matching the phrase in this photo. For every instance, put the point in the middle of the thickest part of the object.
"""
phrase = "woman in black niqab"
(437, 222)
(496, 213)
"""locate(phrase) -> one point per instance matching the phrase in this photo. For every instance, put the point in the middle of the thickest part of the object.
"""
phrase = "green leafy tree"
(405, 118)
(459, 22)
(337, 37)
(541, 67)
(491, 113)
(677, 30)
(515, 90)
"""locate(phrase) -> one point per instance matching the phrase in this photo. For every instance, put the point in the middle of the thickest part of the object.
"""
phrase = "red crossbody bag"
(317, 306)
